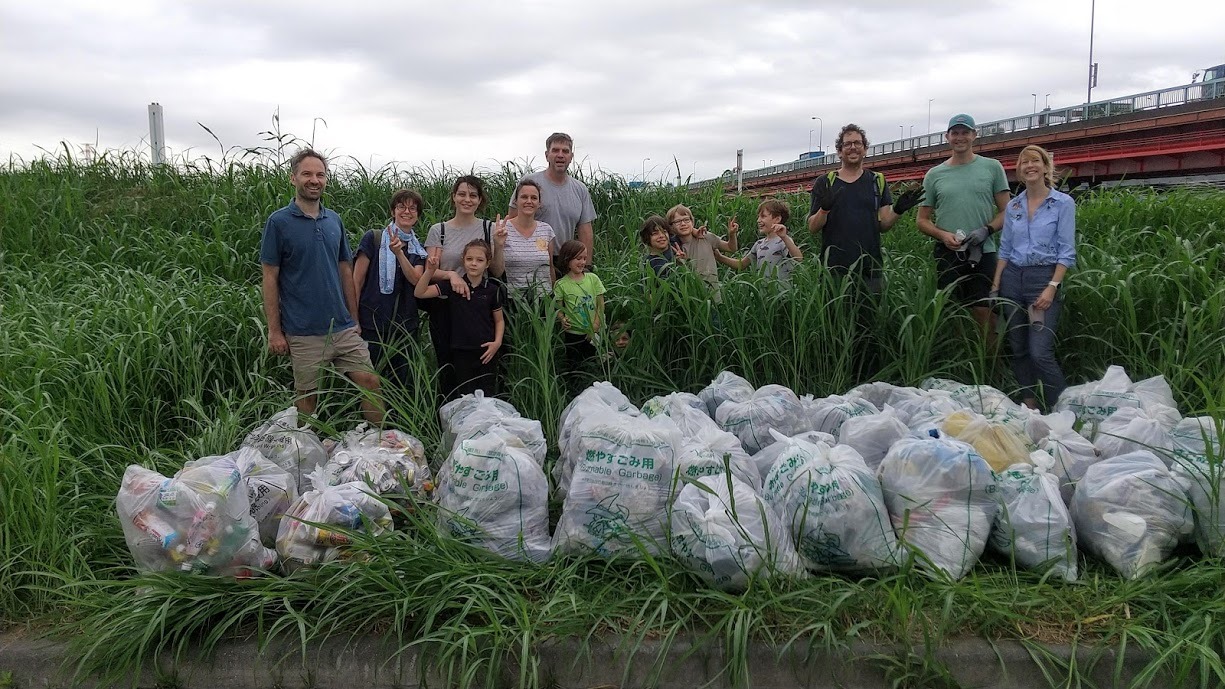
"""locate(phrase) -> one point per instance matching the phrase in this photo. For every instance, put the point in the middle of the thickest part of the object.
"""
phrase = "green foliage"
(131, 332)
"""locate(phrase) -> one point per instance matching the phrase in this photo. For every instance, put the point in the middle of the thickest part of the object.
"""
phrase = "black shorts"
(971, 283)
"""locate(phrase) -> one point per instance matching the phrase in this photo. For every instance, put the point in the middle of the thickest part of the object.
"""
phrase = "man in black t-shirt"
(851, 207)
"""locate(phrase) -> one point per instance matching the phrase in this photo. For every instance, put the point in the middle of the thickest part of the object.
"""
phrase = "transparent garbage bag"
(879, 393)
(723, 532)
(1198, 460)
(1000, 444)
(199, 521)
(387, 460)
(982, 399)
(920, 408)
(456, 413)
(872, 436)
(1094, 402)
(1131, 512)
(940, 495)
(765, 458)
(270, 489)
(661, 404)
(492, 493)
(314, 530)
(617, 499)
(706, 449)
(599, 402)
(833, 507)
(296, 450)
(771, 407)
(827, 414)
(1033, 525)
(1132, 428)
(726, 387)
(1072, 452)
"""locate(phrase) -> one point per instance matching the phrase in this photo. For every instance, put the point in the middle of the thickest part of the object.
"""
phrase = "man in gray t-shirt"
(565, 203)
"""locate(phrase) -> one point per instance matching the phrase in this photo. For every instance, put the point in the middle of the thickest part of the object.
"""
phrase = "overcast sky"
(481, 82)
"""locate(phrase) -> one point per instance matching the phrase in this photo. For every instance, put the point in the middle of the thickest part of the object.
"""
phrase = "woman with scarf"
(389, 262)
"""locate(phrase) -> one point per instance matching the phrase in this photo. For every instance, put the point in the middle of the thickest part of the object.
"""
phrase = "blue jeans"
(1032, 344)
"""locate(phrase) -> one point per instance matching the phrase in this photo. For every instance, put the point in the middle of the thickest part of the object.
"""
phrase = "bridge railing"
(1151, 100)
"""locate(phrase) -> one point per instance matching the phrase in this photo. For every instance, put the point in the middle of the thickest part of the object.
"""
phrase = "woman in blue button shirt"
(1037, 247)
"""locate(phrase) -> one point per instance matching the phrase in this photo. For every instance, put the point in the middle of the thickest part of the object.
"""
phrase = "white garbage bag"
(939, 492)
(493, 494)
(729, 537)
(771, 407)
(832, 506)
(922, 408)
(1131, 429)
(661, 404)
(827, 414)
(599, 402)
(1033, 525)
(879, 393)
(1073, 453)
(457, 412)
(616, 501)
(706, 449)
(872, 436)
(982, 399)
(387, 460)
(726, 387)
(316, 528)
(1094, 402)
(765, 459)
(198, 521)
(1131, 512)
(296, 450)
(1198, 460)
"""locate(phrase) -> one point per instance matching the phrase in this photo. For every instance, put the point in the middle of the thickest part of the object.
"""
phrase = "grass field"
(131, 332)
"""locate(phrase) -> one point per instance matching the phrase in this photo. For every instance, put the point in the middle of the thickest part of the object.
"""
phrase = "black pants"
(578, 362)
(472, 375)
(440, 337)
(390, 350)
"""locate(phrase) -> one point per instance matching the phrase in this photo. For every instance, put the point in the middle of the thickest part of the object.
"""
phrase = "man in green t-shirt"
(963, 209)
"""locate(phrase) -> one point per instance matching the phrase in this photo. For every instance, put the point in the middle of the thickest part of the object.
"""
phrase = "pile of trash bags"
(736, 482)
(284, 496)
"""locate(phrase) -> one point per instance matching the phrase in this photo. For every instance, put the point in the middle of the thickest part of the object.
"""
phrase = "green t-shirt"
(577, 301)
(962, 197)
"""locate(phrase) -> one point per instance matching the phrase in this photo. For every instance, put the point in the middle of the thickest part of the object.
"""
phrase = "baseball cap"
(962, 120)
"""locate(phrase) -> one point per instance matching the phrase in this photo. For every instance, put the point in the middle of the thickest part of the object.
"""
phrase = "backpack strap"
(378, 237)
(485, 225)
(442, 233)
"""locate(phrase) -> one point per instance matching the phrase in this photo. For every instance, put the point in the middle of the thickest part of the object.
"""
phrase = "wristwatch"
(1054, 284)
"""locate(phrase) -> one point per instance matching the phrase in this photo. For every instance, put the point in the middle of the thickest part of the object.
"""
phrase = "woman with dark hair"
(445, 244)
(1037, 247)
(388, 264)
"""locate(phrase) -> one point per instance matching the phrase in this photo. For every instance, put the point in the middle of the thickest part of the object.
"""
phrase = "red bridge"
(1146, 139)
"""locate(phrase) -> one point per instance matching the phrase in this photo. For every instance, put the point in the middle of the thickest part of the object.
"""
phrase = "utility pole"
(1092, 64)
(157, 134)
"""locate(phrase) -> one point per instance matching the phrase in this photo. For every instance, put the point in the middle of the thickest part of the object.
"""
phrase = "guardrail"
(1151, 100)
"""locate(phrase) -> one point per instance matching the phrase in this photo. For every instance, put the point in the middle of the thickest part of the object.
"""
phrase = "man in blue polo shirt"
(309, 297)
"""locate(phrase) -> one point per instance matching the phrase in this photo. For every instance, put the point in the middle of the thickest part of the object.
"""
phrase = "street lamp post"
(644, 169)
(929, 115)
(1035, 102)
(1048, 101)
(821, 140)
(810, 140)
(901, 134)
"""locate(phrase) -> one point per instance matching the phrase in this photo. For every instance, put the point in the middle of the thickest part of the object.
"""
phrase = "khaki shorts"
(310, 354)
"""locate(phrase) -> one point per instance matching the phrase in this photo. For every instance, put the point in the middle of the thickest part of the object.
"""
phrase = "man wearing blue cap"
(963, 210)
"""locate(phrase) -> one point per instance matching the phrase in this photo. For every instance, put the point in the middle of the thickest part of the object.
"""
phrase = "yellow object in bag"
(999, 444)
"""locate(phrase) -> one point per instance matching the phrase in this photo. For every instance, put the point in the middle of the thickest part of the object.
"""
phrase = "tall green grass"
(131, 332)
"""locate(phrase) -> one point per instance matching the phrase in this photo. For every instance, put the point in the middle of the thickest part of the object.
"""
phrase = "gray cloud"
(485, 82)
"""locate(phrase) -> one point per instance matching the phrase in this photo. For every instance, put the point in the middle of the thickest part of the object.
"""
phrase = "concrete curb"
(367, 661)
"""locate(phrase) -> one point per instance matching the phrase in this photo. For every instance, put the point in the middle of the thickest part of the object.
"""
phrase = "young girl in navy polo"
(476, 322)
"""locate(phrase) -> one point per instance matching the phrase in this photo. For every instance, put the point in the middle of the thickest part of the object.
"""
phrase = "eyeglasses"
(681, 221)
(851, 144)
(407, 207)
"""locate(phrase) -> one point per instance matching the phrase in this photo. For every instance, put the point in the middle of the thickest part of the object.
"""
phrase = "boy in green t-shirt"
(580, 306)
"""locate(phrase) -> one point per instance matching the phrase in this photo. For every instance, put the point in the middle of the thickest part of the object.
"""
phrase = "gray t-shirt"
(771, 256)
(458, 237)
(563, 206)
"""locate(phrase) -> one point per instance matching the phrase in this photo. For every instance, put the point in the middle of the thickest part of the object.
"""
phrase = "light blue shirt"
(1046, 239)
